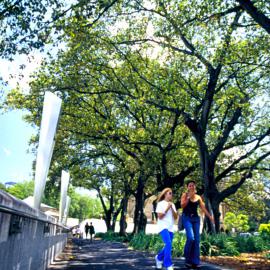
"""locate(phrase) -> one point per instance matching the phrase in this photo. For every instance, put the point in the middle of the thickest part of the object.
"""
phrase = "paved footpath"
(100, 255)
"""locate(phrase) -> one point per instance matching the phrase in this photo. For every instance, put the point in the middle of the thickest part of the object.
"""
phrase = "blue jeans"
(165, 254)
(192, 246)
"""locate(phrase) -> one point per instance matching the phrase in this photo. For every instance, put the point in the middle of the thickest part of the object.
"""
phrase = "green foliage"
(22, 190)
(83, 207)
(218, 245)
(264, 230)
(153, 243)
(31, 24)
(146, 242)
(229, 221)
(251, 244)
(249, 200)
(2, 187)
(211, 245)
(25, 24)
(179, 241)
(267, 256)
(112, 236)
(131, 114)
(142, 241)
(226, 245)
(238, 222)
(242, 223)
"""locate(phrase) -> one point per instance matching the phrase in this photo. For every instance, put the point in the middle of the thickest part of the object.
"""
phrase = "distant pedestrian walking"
(92, 231)
(86, 229)
(191, 221)
(74, 232)
(167, 215)
(79, 232)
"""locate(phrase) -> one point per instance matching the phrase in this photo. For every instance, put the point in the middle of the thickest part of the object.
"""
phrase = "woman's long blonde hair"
(161, 196)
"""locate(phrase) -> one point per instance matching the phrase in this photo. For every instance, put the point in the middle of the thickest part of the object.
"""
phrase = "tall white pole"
(66, 210)
(50, 116)
(63, 196)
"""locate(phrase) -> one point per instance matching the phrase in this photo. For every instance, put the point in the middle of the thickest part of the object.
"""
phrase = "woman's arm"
(184, 200)
(202, 206)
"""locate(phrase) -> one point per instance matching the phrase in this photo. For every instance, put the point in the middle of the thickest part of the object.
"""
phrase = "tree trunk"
(107, 218)
(216, 213)
(210, 189)
(114, 222)
(116, 213)
(123, 222)
(139, 217)
(108, 212)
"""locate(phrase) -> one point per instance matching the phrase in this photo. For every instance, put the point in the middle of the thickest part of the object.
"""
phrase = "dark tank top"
(191, 209)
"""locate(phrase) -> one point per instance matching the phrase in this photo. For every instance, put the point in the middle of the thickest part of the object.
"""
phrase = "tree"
(249, 200)
(238, 222)
(22, 190)
(29, 24)
(255, 13)
(218, 84)
(83, 207)
(229, 221)
(102, 122)
(200, 91)
(23, 25)
(2, 187)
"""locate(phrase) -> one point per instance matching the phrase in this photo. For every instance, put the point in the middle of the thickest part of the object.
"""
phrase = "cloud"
(7, 151)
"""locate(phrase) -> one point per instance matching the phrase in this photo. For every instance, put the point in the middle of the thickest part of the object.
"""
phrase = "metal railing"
(12, 211)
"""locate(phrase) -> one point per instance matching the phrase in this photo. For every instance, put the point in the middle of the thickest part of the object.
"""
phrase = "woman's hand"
(191, 195)
(168, 207)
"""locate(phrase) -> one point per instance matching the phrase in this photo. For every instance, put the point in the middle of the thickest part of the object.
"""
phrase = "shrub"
(140, 241)
(155, 244)
(113, 236)
(264, 230)
(218, 245)
(267, 256)
(208, 249)
(178, 244)
(251, 244)
(211, 245)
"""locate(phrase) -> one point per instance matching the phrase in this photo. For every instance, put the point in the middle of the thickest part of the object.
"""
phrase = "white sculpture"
(50, 116)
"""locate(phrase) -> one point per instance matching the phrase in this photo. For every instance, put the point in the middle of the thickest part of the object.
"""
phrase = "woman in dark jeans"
(191, 221)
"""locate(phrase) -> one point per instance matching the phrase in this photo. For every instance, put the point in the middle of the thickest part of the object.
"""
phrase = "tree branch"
(233, 188)
(237, 161)
(257, 15)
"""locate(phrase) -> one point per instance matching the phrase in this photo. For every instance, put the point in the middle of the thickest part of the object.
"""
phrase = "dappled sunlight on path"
(110, 255)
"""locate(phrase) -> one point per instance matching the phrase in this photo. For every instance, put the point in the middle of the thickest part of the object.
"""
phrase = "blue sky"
(15, 153)
(15, 157)
(16, 161)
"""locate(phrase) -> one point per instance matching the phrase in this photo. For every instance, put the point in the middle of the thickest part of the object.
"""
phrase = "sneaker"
(188, 265)
(158, 263)
(170, 268)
